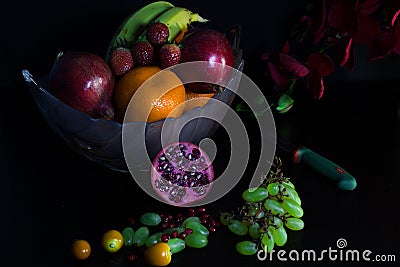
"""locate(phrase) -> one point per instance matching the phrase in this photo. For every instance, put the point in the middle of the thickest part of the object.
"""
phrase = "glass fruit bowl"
(100, 140)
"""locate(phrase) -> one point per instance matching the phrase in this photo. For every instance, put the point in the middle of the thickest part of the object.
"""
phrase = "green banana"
(177, 20)
(130, 30)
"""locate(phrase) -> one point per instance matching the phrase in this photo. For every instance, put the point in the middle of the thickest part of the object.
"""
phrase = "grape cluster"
(189, 228)
(268, 211)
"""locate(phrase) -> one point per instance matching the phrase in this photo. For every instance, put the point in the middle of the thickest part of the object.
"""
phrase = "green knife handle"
(325, 167)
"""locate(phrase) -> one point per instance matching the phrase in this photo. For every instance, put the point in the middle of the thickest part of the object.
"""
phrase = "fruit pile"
(268, 209)
(155, 37)
(157, 237)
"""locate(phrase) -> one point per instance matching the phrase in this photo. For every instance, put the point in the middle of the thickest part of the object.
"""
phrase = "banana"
(130, 30)
(177, 20)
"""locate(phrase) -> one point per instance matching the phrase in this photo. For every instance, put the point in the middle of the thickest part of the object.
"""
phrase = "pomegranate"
(83, 81)
(182, 174)
(211, 46)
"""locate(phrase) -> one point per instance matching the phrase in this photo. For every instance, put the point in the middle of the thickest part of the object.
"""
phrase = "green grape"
(170, 230)
(273, 189)
(195, 240)
(150, 219)
(197, 228)
(255, 194)
(274, 206)
(253, 211)
(292, 208)
(140, 236)
(246, 247)
(291, 193)
(176, 244)
(153, 239)
(288, 184)
(224, 218)
(260, 214)
(277, 222)
(280, 236)
(190, 219)
(254, 231)
(268, 241)
(127, 235)
(238, 227)
(294, 224)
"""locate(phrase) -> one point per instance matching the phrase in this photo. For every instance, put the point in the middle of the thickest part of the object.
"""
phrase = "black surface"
(50, 195)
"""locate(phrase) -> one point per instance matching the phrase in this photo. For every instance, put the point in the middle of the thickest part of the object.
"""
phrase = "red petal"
(381, 46)
(368, 7)
(292, 65)
(342, 16)
(396, 40)
(315, 84)
(321, 62)
(347, 53)
(394, 18)
(279, 78)
(368, 29)
(392, 10)
(351, 60)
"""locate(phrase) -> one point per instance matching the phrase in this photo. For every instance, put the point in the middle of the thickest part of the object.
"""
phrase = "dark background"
(50, 195)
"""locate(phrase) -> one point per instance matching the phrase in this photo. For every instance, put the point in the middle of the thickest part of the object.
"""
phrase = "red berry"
(143, 53)
(201, 210)
(157, 33)
(211, 229)
(170, 54)
(121, 61)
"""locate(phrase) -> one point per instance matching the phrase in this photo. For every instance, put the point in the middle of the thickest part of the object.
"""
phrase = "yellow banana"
(177, 20)
(130, 30)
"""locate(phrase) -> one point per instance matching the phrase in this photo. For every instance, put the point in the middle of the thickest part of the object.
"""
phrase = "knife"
(345, 181)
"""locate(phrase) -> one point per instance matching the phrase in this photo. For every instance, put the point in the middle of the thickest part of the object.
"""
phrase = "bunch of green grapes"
(268, 211)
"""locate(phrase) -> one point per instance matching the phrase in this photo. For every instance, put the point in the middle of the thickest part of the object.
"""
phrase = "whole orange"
(155, 100)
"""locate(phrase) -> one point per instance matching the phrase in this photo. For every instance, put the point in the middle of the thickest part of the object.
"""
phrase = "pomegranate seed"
(190, 210)
(170, 217)
(182, 235)
(201, 210)
(188, 231)
(174, 234)
(211, 229)
(172, 225)
(162, 215)
(164, 225)
(205, 216)
(212, 222)
(132, 257)
(165, 237)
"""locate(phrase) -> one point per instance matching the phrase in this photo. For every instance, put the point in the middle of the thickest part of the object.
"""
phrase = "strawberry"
(143, 53)
(170, 54)
(157, 33)
(121, 61)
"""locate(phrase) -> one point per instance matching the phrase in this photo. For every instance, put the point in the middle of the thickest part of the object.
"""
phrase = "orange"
(155, 100)
(196, 99)
(81, 249)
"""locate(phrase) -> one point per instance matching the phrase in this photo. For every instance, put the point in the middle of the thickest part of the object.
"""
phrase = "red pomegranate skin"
(85, 82)
(212, 46)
